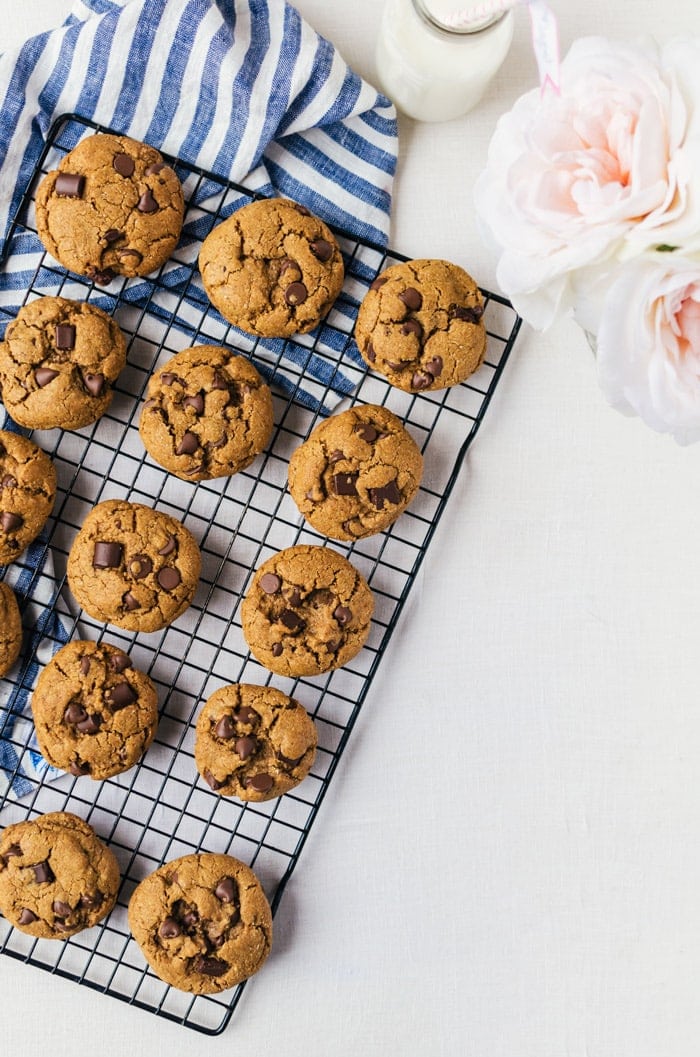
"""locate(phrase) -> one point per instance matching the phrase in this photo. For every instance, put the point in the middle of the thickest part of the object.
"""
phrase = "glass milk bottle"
(432, 70)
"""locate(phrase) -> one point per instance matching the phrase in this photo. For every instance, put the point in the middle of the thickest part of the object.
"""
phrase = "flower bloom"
(608, 169)
(648, 346)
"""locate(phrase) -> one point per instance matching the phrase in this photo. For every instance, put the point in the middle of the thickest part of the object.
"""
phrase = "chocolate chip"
(43, 873)
(155, 168)
(370, 353)
(412, 326)
(434, 366)
(78, 769)
(411, 298)
(27, 917)
(336, 455)
(13, 851)
(245, 747)
(277, 649)
(211, 781)
(421, 380)
(343, 615)
(74, 714)
(113, 235)
(167, 378)
(94, 899)
(208, 966)
(119, 662)
(296, 294)
(140, 566)
(169, 929)
(243, 714)
(294, 598)
(169, 578)
(130, 257)
(321, 249)
(188, 445)
(289, 762)
(101, 276)
(130, 603)
(378, 282)
(94, 383)
(123, 164)
(367, 432)
(120, 696)
(196, 402)
(291, 620)
(467, 313)
(147, 203)
(301, 209)
(65, 336)
(69, 185)
(219, 381)
(225, 728)
(169, 547)
(61, 909)
(8, 481)
(107, 555)
(261, 783)
(10, 522)
(85, 665)
(389, 493)
(44, 375)
(270, 583)
(89, 725)
(226, 890)
(345, 483)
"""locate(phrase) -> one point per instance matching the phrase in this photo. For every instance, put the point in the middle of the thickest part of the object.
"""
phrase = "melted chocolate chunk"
(130, 257)
(43, 873)
(412, 298)
(196, 402)
(61, 909)
(44, 375)
(469, 314)
(101, 276)
(69, 185)
(211, 781)
(74, 714)
(291, 620)
(10, 522)
(412, 326)
(367, 432)
(85, 665)
(8, 481)
(130, 603)
(119, 662)
(345, 483)
(78, 768)
(209, 966)
(90, 725)
(389, 493)
(243, 714)
(65, 336)
(369, 351)
(107, 555)
(169, 929)
(155, 168)
(378, 282)
(277, 649)
(261, 783)
(113, 235)
(421, 380)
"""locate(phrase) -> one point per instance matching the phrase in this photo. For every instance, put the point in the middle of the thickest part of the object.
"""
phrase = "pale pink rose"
(648, 346)
(608, 169)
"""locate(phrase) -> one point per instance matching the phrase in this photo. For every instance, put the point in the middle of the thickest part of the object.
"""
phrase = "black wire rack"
(161, 809)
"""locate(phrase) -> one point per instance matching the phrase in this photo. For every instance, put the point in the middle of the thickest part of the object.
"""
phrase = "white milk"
(431, 71)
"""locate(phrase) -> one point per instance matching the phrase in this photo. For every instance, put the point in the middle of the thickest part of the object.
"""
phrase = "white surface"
(507, 862)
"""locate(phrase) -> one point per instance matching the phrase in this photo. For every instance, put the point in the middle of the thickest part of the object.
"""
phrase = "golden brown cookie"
(420, 325)
(254, 742)
(356, 472)
(202, 922)
(58, 363)
(113, 207)
(272, 268)
(307, 611)
(56, 876)
(27, 493)
(94, 713)
(133, 566)
(208, 414)
(10, 628)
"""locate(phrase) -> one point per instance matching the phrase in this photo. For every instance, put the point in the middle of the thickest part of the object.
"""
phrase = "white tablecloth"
(507, 863)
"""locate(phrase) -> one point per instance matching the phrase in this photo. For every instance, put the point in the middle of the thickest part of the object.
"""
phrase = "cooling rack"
(160, 809)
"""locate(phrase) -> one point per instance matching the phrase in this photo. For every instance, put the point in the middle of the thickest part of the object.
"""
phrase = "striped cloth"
(244, 89)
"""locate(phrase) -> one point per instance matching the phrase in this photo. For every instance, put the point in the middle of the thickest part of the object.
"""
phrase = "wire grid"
(161, 809)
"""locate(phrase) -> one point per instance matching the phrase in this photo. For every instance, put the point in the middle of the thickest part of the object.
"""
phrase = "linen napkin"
(245, 89)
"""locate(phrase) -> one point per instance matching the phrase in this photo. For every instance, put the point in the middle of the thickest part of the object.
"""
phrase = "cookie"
(27, 493)
(307, 611)
(254, 742)
(94, 713)
(56, 876)
(356, 472)
(133, 566)
(58, 363)
(202, 921)
(113, 207)
(272, 268)
(208, 414)
(10, 628)
(420, 325)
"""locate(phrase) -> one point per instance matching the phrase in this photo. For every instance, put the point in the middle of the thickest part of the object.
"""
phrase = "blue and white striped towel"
(241, 88)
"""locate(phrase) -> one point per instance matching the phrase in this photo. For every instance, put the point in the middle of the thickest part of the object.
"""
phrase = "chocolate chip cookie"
(420, 324)
(113, 207)
(27, 493)
(307, 611)
(202, 921)
(94, 713)
(58, 363)
(272, 268)
(254, 742)
(10, 628)
(56, 876)
(208, 414)
(356, 473)
(133, 566)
